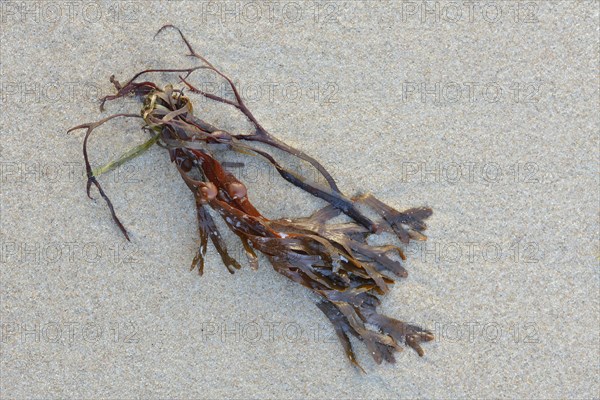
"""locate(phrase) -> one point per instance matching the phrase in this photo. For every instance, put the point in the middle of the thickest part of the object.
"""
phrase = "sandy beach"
(485, 111)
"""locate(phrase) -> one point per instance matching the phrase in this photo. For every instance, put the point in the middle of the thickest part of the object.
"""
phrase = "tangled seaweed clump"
(333, 260)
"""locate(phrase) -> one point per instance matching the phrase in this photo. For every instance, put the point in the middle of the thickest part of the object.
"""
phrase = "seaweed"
(332, 259)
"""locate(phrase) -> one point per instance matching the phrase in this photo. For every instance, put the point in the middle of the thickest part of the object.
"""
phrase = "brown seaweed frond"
(332, 259)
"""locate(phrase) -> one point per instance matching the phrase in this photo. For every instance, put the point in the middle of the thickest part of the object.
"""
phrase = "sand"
(484, 111)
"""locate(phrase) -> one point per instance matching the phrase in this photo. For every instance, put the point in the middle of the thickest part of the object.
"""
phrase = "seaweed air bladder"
(332, 259)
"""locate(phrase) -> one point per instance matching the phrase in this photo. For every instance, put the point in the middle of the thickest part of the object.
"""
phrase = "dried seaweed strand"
(333, 260)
